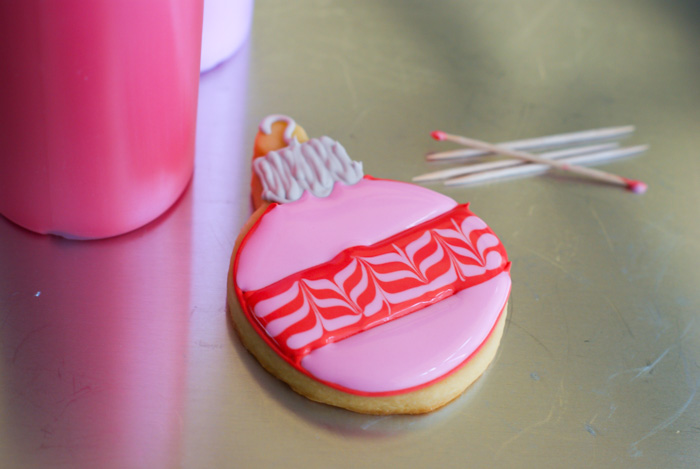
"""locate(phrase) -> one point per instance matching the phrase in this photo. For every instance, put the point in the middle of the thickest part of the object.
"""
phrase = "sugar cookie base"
(419, 401)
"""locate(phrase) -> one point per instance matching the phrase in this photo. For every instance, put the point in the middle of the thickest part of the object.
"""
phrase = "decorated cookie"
(374, 295)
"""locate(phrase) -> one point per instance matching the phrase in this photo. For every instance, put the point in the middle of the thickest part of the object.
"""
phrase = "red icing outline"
(297, 365)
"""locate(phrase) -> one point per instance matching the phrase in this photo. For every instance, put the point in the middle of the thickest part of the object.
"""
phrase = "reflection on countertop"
(92, 345)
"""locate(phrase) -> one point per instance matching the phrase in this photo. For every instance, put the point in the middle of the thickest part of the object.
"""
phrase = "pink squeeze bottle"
(97, 111)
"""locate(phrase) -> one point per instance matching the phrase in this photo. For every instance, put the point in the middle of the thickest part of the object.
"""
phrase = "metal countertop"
(118, 353)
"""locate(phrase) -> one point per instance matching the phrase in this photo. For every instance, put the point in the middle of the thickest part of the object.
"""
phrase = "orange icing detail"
(264, 144)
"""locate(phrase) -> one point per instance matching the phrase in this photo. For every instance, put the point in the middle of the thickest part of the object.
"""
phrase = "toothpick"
(532, 169)
(491, 165)
(637, 187)
(541, 143)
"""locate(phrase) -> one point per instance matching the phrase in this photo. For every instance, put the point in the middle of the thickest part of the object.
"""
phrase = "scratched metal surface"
(118, 353)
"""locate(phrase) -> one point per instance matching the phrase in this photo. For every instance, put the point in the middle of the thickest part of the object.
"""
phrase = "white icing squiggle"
(266, 126)
(313, 166)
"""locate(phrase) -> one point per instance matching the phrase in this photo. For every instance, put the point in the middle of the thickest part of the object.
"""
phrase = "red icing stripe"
(365, 286)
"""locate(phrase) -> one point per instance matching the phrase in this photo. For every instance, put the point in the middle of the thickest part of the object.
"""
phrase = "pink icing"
(364, 287)
(415, 349)
(311, 230)
(398, 356)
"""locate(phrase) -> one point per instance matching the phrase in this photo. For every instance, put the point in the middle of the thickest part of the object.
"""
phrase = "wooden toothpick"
(638, 187)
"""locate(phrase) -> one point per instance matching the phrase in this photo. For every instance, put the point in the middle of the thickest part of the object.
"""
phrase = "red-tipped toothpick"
(541, 143)
(638, 187)
(529, 169)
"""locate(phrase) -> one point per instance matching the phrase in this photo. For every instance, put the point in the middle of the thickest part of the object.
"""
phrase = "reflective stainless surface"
(118, 353)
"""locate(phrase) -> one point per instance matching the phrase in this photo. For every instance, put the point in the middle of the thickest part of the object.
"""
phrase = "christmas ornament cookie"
(374, 295)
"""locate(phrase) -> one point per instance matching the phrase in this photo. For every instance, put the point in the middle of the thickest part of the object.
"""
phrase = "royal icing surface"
(372, 287)
(363, 287)
(416, 349)
(313, 166)
(292, 237)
